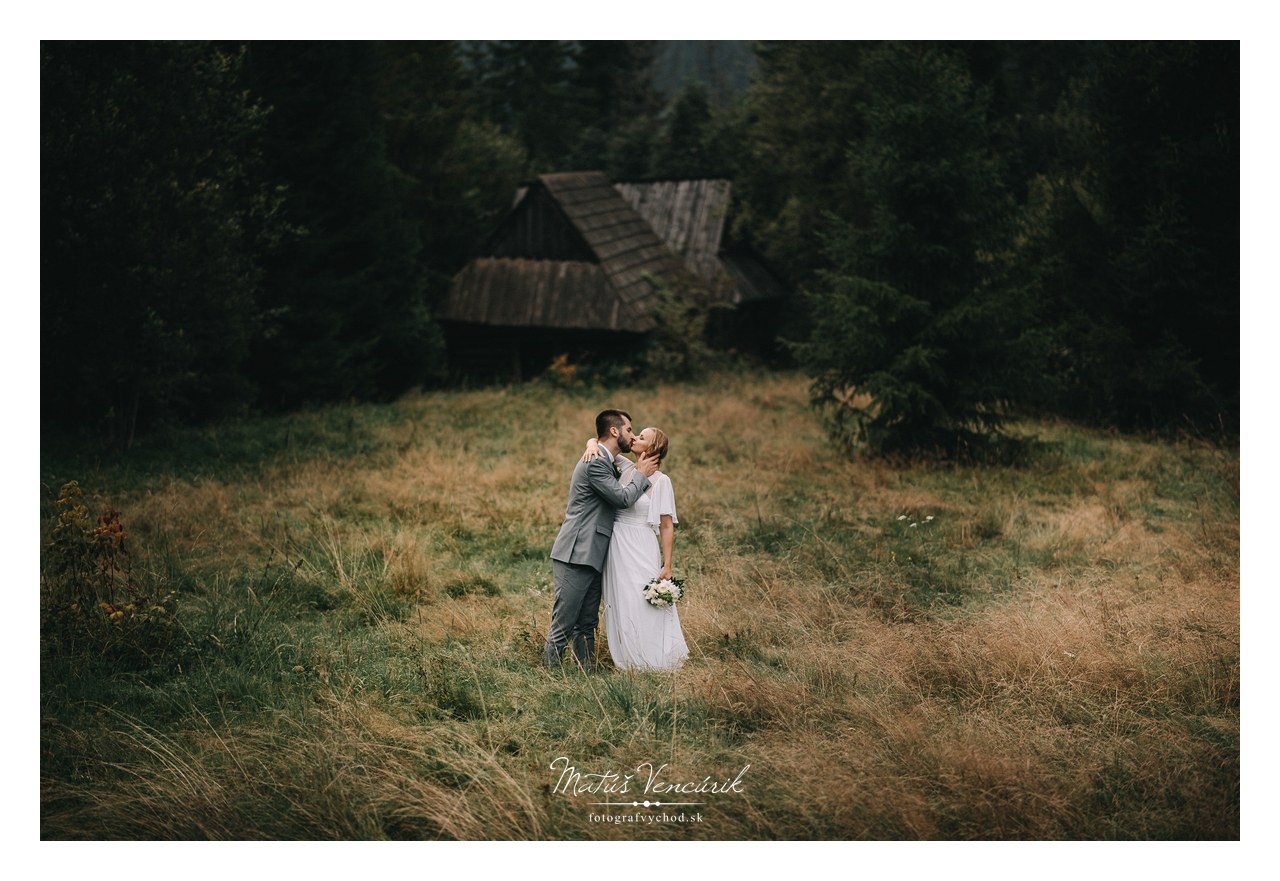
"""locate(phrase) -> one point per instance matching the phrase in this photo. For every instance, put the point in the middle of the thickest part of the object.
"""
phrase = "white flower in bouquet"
(664, 592)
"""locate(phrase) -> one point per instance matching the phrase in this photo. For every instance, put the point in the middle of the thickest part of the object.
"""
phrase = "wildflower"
(903, 517)
(914, 525)
(927, 519)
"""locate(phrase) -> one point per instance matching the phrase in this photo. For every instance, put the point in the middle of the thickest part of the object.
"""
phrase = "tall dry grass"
(1050, 651)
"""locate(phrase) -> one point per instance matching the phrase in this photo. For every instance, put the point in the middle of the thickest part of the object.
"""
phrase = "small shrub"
(475, 584)
(562, 374)
(451, 689)
(589, 374)
(90, 599)
(678, 347)
(740, 643)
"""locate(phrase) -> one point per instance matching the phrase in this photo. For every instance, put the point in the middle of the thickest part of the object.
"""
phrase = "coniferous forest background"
(969, 229)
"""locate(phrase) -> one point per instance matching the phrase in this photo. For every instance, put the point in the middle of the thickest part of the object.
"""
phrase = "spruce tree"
(1133, 234)
(914, 344)
(344, 295)
(155, 215)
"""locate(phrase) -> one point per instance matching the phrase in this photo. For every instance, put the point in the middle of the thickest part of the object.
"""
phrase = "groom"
(577, 558)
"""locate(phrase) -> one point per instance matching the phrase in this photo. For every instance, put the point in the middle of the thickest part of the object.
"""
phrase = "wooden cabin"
(568, 271)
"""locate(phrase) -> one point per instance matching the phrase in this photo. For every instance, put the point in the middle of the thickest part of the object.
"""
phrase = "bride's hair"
(660, 444)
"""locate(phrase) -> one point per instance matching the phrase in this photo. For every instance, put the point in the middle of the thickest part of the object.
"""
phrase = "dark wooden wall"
(538, 230)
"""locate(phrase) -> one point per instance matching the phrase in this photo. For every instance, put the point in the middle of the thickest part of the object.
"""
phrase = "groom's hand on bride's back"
(646, 464)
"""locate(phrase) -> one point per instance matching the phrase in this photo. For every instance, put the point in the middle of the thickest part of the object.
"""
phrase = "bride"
(640, 635)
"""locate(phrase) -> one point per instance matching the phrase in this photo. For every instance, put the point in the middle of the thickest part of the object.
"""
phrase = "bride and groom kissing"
(617, 536)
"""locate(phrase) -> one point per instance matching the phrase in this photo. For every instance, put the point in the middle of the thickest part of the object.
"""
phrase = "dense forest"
(970, 230)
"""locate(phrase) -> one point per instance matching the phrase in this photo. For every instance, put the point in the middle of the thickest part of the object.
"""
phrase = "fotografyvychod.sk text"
(646, 779)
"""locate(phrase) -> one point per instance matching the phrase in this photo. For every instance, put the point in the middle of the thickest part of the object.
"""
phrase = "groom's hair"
(608, 419)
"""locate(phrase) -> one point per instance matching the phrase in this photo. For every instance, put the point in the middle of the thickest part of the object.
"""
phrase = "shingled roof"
(627, 247)
(577, 252)
(689, 215)
(686, 214)
(554, 293)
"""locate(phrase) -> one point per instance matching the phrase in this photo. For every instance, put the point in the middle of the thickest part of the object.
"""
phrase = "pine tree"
(683, 149)
(526, 88)
(802, 114)
(454, 173)
(155, 214)
(914, 344)
(344, 294)
(1133, 236)
(614, 107)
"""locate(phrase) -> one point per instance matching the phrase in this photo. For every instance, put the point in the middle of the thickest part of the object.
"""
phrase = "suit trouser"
(575, 613)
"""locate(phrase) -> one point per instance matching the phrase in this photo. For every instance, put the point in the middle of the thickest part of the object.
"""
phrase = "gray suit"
(578, 556)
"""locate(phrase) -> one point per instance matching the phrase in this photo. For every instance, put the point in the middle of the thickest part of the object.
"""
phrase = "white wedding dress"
(640, 636)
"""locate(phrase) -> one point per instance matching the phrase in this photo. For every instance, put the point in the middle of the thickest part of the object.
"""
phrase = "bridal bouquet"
(664, 592)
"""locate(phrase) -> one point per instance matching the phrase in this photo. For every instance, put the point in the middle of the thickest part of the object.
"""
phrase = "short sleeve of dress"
(663, 500)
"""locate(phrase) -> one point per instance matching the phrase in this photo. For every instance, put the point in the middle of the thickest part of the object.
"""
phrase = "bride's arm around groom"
(580, 548)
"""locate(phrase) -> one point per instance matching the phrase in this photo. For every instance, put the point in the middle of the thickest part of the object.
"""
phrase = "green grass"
(362, 595)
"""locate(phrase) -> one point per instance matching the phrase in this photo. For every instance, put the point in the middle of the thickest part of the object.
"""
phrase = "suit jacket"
(594, 495)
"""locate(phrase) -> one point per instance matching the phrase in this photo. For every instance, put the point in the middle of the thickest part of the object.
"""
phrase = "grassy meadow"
(360, 595)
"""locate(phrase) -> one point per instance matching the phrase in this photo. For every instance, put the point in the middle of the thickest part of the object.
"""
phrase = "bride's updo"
(660, 444)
